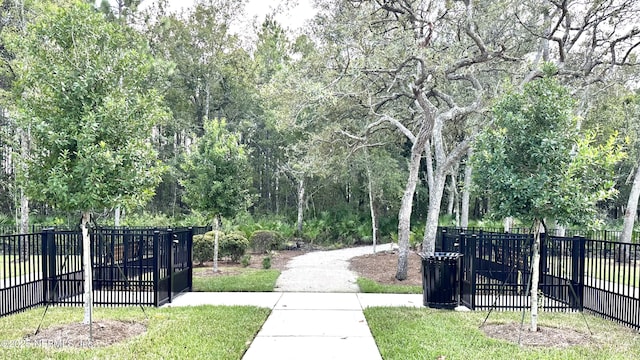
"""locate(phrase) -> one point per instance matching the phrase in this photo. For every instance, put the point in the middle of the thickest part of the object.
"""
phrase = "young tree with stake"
(535, 164)
(82, 87)
(217, 177)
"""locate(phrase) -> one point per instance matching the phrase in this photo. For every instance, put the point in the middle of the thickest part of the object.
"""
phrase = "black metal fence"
(604, 235)
(130, 267)
(576, 273)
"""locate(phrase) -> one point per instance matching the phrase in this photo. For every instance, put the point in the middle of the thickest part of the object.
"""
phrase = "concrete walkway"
(316, 310)
(306, 325)
(323, 271)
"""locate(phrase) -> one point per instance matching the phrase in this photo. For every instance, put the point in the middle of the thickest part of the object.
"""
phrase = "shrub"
(265, 240)
(202, 249)
(233, 245)
(266, 262)
(203, 246)
(245, 260)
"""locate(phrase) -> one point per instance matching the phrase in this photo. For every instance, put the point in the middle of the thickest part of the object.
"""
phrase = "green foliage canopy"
(82, 90)
(217, 178)
(534, 163)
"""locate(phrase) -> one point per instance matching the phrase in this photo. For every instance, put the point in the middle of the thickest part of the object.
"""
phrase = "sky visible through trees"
(357, 117)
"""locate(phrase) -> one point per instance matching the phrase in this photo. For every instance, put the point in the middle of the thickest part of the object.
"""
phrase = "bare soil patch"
(76, 335)
(544, 337)
(279, 260)
(382, 267)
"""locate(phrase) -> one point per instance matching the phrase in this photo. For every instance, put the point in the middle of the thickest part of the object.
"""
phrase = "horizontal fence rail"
(601, 277)
(131, 266)
(603, 235)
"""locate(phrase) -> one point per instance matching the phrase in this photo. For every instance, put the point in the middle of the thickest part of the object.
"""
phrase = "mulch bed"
(76, 335)
(544, 337)
(382, 267)
(279, 260)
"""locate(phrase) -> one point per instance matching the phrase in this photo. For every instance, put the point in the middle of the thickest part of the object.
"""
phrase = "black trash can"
(440, 282)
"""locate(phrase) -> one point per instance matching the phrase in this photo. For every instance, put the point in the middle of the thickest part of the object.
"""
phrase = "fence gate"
(175, 269)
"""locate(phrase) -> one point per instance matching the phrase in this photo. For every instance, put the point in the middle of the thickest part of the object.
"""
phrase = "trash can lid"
(440, 255)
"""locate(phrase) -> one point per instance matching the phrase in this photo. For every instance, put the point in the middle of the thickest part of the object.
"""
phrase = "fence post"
(170, 252)
(128, 250)
(443, 236)
(156, 268)
(472, 250)
(577, 272)
(48, 265)
(544, 254)
(190, 257)
(461, 260)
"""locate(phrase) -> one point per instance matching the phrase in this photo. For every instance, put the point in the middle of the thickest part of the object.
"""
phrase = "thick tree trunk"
(535, 275)
(404, 215)
(216, 241)
(300, 207)
(116, 220)
(88, 269)
(466, 191)
(433, 213)
(630, 216)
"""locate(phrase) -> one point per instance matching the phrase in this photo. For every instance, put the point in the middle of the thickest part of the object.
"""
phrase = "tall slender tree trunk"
(456, 212)
(453, 190)
(433, 213)
(88, 269)
(466, 190)
(207, 100)
(535, 275)
(630, 216)
(372, 208)
(216, 242)
(24, 136)
(276, 194)
(300, 206)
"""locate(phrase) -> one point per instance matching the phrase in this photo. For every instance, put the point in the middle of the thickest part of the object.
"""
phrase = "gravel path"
(323, 271)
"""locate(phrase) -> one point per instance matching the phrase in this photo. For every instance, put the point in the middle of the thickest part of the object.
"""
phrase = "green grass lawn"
(371, 286)
(9, 268)
(611, 271)
(408, 334)
(247, 279)
(33, 266)
(203, 332)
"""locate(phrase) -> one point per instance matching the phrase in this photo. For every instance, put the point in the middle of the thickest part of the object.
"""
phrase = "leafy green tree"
(619, 110)
(14, 15)
(210, 75)
(82, 87)
(217, 179)
(536, 165)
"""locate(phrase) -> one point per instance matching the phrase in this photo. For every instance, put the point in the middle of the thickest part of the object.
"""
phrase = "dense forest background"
(361, 124)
